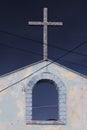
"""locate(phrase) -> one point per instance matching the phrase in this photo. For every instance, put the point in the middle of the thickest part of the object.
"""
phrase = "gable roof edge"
(14, 71)
(73, 71)
(53, 62)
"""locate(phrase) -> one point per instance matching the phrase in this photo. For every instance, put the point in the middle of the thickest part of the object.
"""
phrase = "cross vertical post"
(45, 23)
(45, 34)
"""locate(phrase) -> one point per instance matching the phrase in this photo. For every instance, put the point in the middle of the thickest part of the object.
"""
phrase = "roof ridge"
(58, 64)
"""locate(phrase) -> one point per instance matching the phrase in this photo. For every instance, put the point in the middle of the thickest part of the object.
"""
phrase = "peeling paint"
(12, 102)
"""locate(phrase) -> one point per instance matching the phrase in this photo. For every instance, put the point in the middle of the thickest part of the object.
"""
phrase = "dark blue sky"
(45, 101)
(14, 16)
(16, 33)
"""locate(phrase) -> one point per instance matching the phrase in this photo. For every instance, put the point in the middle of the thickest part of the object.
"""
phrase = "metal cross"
(45, 23)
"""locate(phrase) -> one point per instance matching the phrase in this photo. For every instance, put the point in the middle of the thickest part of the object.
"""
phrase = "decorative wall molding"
(60, 87)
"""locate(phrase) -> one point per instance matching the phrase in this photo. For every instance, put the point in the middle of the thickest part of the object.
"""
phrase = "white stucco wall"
(12, 100)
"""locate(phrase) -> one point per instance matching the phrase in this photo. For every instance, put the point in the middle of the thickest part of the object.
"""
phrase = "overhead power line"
(29, 51)
(39, 54)
(42, 67)
(46, 106)
(38, 42)
(73, 63)
(21, 49)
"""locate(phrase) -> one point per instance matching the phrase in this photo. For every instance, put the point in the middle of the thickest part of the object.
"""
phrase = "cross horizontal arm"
(35, 23)
(45, 23)
(55, 23)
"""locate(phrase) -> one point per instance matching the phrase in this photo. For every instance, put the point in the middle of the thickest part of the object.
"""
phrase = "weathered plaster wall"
(12, 101)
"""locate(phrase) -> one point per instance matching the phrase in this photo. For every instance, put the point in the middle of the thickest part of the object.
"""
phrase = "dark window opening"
(45, 101)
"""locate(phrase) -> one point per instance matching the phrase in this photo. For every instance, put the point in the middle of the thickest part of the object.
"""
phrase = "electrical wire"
(44, 66)
(73, 63)
(38, 42)
(23, 50)
(45, 106)
(29, 51)
(39, 54)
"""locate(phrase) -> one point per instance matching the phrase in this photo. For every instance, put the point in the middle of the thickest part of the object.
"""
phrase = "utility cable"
(45, 106)
(38, 42)
(43, 67)
(73, 63)
(32, 52)
(39, 54)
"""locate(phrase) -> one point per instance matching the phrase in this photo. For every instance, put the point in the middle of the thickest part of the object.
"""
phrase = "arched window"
(54, 111)
(45, 101)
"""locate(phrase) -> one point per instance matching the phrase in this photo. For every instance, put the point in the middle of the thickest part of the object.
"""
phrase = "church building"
(60, 104)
